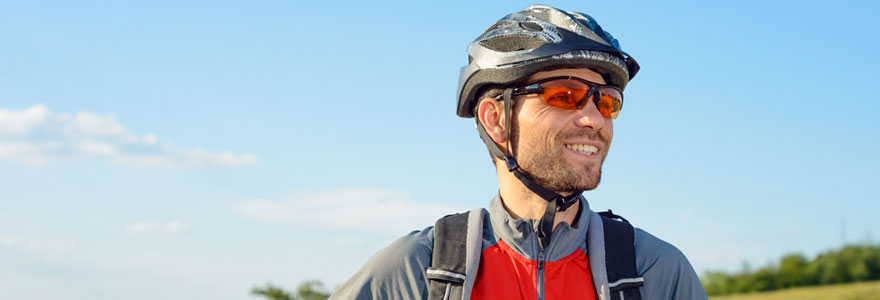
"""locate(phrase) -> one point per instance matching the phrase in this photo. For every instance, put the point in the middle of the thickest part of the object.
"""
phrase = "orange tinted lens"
(609, 103)
(564, 93)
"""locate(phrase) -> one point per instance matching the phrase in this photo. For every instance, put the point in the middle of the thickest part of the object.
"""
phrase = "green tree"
(271, 292)
(873, 263)
(311, 290)
(792, 270)
(765, 279)
(308, 290)
(718, 283)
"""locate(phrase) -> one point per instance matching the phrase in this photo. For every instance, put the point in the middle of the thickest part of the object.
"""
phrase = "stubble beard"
(546, 164)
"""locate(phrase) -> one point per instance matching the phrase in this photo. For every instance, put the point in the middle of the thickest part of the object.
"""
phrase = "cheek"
(535, 120)
(549, 126)
(608, 130)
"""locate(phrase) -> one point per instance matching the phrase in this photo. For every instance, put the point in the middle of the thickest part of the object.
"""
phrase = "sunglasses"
(572, 93)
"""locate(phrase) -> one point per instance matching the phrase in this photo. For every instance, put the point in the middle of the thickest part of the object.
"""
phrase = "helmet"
(535, 39)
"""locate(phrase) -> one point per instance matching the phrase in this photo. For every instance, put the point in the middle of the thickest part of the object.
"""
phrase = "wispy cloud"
(170, 228)
(36, 136)
(365, 210)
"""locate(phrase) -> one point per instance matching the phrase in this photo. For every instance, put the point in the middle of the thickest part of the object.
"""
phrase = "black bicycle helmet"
(535, 39)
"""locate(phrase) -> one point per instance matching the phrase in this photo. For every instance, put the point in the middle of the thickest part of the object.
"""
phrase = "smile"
(585, 149)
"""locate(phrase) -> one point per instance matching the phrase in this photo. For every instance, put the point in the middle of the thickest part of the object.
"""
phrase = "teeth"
(585, 149)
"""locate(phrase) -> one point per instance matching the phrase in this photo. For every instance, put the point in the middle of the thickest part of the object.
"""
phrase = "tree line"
(853, 263)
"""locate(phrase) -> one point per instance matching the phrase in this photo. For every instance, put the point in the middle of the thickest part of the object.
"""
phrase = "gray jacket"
(398, 271)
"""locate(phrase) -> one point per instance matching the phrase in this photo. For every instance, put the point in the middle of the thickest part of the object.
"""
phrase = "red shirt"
(504, 274)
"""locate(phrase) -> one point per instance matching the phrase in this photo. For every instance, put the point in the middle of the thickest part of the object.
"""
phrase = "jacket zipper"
(540, 275)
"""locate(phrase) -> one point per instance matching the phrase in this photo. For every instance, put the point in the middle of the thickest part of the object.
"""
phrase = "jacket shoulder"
(668, 273)
(395, 272)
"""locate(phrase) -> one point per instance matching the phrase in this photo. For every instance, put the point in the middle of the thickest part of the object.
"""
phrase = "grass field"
(853, 291)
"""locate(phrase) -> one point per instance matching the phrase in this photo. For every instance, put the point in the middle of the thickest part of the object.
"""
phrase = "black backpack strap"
(446, 274)
(456, 255)
(620, 258)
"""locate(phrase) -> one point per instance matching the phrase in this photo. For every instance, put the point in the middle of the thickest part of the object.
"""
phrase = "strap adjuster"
(626, 283)
(444, 275)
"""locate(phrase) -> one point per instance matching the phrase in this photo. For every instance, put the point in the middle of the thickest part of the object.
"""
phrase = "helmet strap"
(556, 202)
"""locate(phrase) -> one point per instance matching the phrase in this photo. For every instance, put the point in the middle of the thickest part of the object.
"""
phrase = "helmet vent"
(508, 43)
(531, 26)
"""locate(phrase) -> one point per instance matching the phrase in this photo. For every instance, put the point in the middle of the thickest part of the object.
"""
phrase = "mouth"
(583, 149)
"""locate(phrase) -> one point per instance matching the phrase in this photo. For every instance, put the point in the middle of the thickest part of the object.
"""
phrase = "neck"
(522, 203)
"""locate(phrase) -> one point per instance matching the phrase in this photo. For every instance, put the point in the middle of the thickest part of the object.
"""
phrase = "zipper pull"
(540, 260)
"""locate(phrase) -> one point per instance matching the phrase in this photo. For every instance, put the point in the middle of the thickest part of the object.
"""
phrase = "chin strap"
(556, 202)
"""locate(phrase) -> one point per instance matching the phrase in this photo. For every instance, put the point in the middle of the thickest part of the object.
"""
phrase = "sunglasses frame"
(595, 88)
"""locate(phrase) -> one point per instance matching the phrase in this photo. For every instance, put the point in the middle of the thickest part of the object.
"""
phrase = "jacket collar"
(520, 234)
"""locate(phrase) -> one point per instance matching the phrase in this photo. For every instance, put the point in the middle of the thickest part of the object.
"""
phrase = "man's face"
(561, 149)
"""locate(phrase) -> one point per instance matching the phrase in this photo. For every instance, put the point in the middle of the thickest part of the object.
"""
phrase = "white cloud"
(39, 245)
(170, 228)
(365, 210)
(36, 136)
(18, 122)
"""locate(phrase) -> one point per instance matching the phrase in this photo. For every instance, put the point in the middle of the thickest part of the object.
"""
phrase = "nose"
(589, 116)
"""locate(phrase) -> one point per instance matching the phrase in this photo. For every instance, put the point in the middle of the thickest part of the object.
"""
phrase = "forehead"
(582, 73)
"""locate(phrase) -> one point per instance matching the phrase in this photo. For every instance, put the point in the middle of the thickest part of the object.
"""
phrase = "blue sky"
(193, 150)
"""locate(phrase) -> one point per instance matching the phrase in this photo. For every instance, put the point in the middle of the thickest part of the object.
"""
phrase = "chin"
(591, 182)
(575, 184)
(590, 185)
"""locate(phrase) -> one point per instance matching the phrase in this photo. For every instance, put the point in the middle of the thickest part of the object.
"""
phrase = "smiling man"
(544, 87)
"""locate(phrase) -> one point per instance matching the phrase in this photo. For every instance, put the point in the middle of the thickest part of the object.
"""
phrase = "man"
(544, 86)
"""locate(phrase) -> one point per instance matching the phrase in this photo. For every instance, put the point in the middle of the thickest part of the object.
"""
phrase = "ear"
(491, 115)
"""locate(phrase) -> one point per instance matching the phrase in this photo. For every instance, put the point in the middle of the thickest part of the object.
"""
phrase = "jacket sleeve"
(395, 273)
(667, 272)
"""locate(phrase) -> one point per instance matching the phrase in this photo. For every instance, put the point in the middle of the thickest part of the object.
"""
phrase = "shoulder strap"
(455, 256)
(620, 258)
